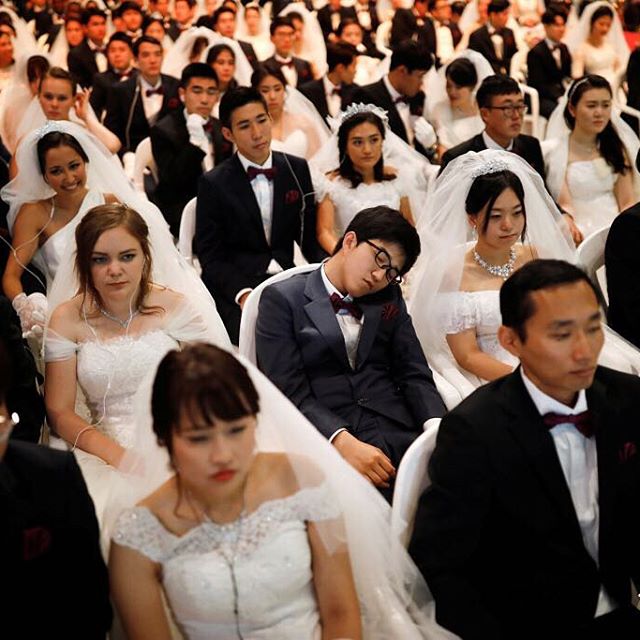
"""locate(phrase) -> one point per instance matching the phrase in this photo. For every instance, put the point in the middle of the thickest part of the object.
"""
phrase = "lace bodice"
(271, 559)
(597, 60)
(462, 310)
(591, 184)
(348, 201)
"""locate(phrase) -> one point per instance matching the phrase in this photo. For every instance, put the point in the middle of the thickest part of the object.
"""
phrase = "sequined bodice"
(271, 559)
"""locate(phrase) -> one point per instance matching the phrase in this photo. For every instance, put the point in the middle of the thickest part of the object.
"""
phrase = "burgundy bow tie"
(125, 75)
(336, 92)
(253, 172)
(402, 99)
(582, 421)
(208, 126)
(154, 92)
(339, 303)
(286, 64)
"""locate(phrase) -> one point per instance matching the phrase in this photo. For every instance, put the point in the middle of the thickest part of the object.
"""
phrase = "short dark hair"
(235, 99)
(219, 11)
(266, 70)
(204, 382)
(385, 223)
(552, 12)
(347, 22)
(216, 50)
(37, 66)
(496, 85)
(87, 14)
(601, 12)
(197, 70)
(516, 305)
(412, 56)
(130, 5)
(457, 7)
(191, 3)
(142, 40)
(340, 53)
(462, 72)
(498, 6)
(280, 21)
(118, 36)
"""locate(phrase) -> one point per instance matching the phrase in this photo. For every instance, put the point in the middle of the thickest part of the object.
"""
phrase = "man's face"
(183, 12)
(162, 7)
(499, 19)
(6, 50)
(149, 59)
(352, 34)
(411, 81)
(226, 25)
(132, 19)
(555, 30)
(74, 33)
(347, 73)
(200, 96)
(119, 55)
(96, 28)
(282, 39)
(251, 132)
(563, 340)
(442, 11)
(503, 119)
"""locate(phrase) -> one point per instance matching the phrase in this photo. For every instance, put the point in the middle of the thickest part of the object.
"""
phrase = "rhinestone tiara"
(336, 122)
(48, 127)
(492, 166)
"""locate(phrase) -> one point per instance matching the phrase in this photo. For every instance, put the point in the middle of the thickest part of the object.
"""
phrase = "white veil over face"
(261, 42)
(24, 40)
(314, 49)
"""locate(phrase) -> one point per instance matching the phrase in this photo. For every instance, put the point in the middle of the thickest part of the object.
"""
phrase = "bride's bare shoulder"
(165, 297)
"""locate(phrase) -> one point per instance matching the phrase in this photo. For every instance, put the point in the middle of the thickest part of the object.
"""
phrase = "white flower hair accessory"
(354, 109)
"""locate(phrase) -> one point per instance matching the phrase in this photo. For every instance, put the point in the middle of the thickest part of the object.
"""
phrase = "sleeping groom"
(339, 343)
(251, 208)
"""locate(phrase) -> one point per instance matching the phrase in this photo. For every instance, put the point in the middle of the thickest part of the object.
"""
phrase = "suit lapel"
(371, 314)
(395, 121)
(323, 316)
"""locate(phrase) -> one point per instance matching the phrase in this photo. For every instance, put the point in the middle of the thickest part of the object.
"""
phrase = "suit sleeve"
(114, 119)
(280, 359)
(174, 162)
(449, 520)
(99, 96)
(412, 373)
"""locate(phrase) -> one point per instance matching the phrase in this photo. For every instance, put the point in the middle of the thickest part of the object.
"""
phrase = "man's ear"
(350, 240)
(181, 94)
(226, 132)
(509, 340)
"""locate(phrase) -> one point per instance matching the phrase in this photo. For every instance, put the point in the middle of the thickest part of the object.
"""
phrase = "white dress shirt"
(151, 104)
(101, 59)
(334, 101)
(444, 42)
(403, 108)
(497, 41)
(556, 54)
(490, 143)
(289, 71)
(578, 458)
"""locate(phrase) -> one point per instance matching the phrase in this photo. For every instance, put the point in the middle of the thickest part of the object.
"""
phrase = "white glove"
(197, 134)
(425, 134)
(32, 310)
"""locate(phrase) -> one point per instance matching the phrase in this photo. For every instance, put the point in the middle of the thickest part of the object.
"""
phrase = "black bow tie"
(154, 92)
(400, 99)
(338, 303)
(336, 91)
(254, 172)
(286, 64)
(582, 421)
(208, 126)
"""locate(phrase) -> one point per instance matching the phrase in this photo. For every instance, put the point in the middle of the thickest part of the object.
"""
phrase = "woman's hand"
(81, 104)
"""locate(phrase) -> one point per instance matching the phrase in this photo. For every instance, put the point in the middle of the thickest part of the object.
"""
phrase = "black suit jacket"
(480, 41)
(496, 533)
(405, 26)
(49, 547)
(180, 164)
(633, 82)
(102, 86)
(81, 62)
(622, 261)
(324, 18)
(302, 67)
(544, 75)
(230, 240)
(526, 147)
(301, 349)
(249, 52)
(125, 112)
(314, 90)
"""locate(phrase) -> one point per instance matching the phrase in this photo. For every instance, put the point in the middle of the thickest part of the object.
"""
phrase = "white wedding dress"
(271, 559)
(295, 144)
(452, 130)
(600, 61)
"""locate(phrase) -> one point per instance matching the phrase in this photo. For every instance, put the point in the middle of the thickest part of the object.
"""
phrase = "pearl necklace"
(501, 270)
(123, 323)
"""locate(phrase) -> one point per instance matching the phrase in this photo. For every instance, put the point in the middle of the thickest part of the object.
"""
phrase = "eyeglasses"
(6, 426)
(510, 110)
(383, 261)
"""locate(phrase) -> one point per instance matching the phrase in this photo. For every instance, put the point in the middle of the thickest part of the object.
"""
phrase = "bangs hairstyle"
(267, 70)
(203, 383)
(216, 50)
(486, 189)
(462, 73)
(53, 140)
(104, 218)
(609, 142)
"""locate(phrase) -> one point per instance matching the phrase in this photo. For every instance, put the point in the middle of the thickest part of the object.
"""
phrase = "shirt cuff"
(241, 293)
(335, 433)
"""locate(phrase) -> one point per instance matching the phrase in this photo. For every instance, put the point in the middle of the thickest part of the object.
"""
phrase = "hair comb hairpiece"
(354, 109)
(49, 127)
(492, 166)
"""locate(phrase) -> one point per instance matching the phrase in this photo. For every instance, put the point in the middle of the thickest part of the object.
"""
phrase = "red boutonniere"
(35, 542)
(390, 311)
(173, 103)
(627, 451)
(291, 196)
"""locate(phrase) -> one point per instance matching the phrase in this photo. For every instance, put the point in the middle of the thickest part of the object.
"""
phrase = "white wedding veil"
(314, 49)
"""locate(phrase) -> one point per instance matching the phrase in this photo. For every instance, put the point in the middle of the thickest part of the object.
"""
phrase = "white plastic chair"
(186, 233)
(590, 256)
(383, 35)
(247, 341)
(532, 118)
(411, 480)
(144, 163)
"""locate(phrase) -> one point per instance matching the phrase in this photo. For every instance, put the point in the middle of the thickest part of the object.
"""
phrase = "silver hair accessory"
(48, 127)
(576, 85)
(336, 122)
(493, 166)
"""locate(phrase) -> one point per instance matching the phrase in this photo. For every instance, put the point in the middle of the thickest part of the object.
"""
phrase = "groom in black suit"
(494, 40)
(530, 527)
(339, 343)
(251, 209)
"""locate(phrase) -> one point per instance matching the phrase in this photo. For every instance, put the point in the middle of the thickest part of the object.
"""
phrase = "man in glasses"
(339, 343)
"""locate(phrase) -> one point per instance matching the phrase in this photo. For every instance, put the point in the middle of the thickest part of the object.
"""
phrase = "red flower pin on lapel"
(291, 196)
(627, 451)
(390, 311)
(35, 542)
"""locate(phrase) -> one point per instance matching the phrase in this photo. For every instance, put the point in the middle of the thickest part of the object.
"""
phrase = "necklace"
(123, 323)
(501, 270)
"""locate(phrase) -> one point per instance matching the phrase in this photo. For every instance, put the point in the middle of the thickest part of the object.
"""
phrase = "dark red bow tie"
(402, 99)
(286, 64)
(154, 92)
(582, 421)
(338, 303)
(254, 172)
(208, 126)
(336, 91)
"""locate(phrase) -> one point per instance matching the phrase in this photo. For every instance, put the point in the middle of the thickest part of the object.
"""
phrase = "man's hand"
(368, 460)
(242, 299)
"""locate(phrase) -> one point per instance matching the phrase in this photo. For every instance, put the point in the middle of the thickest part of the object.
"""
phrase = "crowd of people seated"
(279, 278)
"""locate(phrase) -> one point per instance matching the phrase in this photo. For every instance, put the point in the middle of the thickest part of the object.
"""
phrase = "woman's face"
(216, 458)
(74, 33)
(224, 66)
(592, 111)
(458, 96)
(298, 32)
(252, 20)
(64, 170)
(117, 262)
(155, 30)
(55, 98)
(352, 34)
(364, 146)
(273, 92)
(601, 26)
(506, 222)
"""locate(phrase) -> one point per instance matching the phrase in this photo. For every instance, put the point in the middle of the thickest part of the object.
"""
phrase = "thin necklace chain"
(123, 323)
(501, 270)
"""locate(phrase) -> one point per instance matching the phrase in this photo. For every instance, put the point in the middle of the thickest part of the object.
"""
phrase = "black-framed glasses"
(510, 110)
(383, 261)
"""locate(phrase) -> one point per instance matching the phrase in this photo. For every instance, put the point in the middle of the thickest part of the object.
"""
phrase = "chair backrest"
(187, 230)
(411, 480)
(534, 114)
(247, 342)
(590, 256)
(143, 160)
